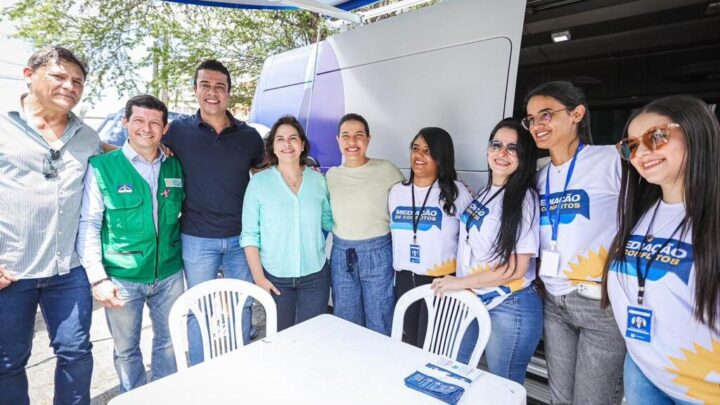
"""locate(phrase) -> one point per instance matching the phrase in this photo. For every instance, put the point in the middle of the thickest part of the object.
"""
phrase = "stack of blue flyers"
(448, 393)
(444, 379)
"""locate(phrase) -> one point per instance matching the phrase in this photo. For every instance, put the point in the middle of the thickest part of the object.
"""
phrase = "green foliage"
(118, 38)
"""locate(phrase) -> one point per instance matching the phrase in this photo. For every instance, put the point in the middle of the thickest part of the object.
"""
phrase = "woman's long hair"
(442, 152)
(701, 194)
(518, 184)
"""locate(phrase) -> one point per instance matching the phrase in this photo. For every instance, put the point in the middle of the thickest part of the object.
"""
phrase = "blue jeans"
(202, 258)
(640, 390)
(125, 325)
(517, 325)
(301, 298)
(584, 351)
(363, 291)
(66, 304)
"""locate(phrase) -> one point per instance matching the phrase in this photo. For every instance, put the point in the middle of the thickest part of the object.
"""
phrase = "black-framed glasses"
(543, 118)
(351, 259)
(496, 146)
(49, 170)
(653, 138)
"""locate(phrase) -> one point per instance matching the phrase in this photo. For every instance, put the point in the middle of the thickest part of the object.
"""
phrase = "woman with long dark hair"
(285, 211)
(663, 277)
(496, 254)
(424, 222)
(579, 191)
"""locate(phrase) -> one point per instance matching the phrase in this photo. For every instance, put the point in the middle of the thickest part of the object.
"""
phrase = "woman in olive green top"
(362, 272)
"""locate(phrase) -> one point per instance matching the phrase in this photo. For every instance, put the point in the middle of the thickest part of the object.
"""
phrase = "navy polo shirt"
(216, 169)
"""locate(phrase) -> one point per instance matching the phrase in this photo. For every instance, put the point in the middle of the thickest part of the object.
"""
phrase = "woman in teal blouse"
(285, 211)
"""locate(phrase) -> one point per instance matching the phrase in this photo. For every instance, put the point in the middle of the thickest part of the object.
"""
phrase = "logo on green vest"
(125, 188)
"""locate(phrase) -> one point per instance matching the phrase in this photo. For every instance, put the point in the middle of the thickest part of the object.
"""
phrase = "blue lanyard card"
(415, 254)
(639, 323)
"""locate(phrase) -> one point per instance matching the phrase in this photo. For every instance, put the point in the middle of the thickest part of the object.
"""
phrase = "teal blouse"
(287, 228)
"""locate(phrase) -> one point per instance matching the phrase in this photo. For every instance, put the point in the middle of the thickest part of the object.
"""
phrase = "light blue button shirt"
(287, 228)
(40, 192)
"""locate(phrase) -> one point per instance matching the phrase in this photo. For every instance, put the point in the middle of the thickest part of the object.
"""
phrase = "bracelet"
(98, 282)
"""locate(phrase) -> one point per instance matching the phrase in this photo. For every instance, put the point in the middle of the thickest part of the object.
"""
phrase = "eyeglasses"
(654, 138)
(49, 169)
(543, 117)
(496, 146)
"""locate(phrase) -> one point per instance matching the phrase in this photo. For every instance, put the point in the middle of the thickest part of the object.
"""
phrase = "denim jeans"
(66, 305)
(125, 324)
(640, 390)
(364, 294)
(584, 351)
(202, 258)
(301, 298)
(517, 325)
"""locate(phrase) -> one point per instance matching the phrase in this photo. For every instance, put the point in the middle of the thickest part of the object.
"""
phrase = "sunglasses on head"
(654, 138)
(497, 146)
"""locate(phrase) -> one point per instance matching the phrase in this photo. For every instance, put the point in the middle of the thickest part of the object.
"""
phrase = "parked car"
(112, 131)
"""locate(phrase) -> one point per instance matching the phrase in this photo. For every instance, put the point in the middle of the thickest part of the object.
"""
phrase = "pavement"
(41, 366)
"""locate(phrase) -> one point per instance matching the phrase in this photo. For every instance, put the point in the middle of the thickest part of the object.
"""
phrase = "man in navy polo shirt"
(217, 152)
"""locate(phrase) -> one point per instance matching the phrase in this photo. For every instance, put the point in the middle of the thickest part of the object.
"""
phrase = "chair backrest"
(217, 305)
(448, 319)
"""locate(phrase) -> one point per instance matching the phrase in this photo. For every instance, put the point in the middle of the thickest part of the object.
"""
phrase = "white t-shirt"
(485, 216)
(683, 356)
(587, 221)
(437, 232)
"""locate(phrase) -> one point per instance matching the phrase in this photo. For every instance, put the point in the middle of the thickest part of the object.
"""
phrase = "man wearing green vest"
(129, 239)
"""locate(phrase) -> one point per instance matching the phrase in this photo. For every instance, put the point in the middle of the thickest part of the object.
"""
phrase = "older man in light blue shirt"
(44, 150)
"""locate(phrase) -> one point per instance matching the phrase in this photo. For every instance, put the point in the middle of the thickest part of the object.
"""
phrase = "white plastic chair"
(217, 305)
(448, 319)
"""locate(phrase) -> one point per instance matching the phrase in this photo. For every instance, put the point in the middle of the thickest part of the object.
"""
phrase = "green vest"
(131, 249)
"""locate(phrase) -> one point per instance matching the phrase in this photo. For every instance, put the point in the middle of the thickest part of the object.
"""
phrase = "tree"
(119, 38)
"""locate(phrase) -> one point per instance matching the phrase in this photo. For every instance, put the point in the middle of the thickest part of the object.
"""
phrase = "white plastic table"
(325, 360)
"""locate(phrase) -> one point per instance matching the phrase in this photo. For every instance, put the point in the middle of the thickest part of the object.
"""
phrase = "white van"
(465, 64)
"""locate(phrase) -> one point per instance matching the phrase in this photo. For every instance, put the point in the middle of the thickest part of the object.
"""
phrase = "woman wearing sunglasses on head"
(497, 248)
(424, 222)
(663, 280)
(285, 211)
(578, 205)
(362, 272)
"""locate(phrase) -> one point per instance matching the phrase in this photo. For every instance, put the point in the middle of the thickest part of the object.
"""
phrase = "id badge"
(415, 254)
(639, 323)
(549, 263)
(466, 255)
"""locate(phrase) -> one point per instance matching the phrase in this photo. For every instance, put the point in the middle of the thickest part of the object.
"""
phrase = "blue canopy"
(346, 5)
(332, 8)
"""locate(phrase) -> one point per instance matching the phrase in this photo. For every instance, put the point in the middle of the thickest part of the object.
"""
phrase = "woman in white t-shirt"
(578, 206)
(663, 280)
(424, 222)
(497, 248)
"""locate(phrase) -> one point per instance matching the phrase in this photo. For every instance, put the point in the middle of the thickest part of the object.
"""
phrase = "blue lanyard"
(555, 224)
